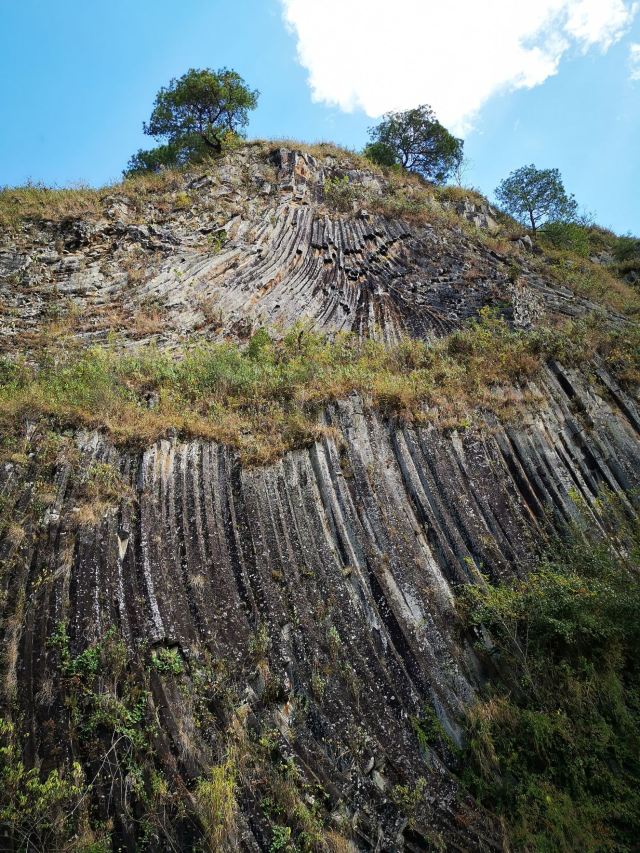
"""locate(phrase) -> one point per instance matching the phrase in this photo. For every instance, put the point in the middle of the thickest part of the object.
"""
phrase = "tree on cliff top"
(193, 114)
(535, 196)
(415, 140)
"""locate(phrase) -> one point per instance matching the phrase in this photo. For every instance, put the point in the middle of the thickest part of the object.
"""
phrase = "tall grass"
(266, 399)
(215, 798)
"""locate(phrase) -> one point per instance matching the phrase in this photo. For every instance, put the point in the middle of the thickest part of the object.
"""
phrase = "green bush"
(280, 839)
(554, 747)
(40, 813)
(568, 236)
(381, 154)
(626, 248)
(167, 661)
(340, 194)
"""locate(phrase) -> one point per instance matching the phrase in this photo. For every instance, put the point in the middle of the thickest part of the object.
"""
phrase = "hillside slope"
(229, 588)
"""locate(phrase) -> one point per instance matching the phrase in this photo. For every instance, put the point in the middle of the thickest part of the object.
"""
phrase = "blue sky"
(78, 78)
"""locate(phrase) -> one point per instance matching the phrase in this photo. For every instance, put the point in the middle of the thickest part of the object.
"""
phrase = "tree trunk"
(215, 144)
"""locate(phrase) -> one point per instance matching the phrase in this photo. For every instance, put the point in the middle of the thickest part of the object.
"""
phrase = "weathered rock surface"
(252, 244)
(347, 553)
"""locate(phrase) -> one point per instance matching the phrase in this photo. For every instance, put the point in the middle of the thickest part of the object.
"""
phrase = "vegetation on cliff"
(536, 197)
(195, 646)
(416, 141)
(195, 115)
(266, 399)
(554, 747)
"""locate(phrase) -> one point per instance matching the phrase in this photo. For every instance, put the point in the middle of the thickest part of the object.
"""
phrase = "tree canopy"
(415, 140)
(163, 156)
(193, 114)
(536, 196)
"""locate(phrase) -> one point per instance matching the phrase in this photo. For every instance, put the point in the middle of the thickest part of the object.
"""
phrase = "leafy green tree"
(415, 140)
(203, 103)
(193, 115)
(535, 196)
(162, 157)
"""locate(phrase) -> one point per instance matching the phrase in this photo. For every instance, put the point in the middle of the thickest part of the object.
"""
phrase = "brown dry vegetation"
(320, 150)
(590, 280)
(266, 399)
(38, 202)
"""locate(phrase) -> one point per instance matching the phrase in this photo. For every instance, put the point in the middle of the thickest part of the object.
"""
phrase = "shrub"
(340, 194)
(381, 154)
(566, 235)
(260, 346)
(167, 661)
(626, 251)
(280, 839)
(39, 813)
(169, 156)
(259, 644)
(555, 748)
(626, 248)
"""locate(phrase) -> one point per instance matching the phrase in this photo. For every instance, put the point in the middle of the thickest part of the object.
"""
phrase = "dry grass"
(337, 843)
(320, 150)
(267, 399)
(590, 280)
(146, 321)
(35, 201)
(211, 311)
(102, 491)
(215, 798)
(56, 333)
(456, 195)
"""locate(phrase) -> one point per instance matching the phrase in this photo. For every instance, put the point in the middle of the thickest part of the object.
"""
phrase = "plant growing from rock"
(215, 796)
(193, 116)
(415, 140)
(554, 748)
(340, 194)
(535, 196)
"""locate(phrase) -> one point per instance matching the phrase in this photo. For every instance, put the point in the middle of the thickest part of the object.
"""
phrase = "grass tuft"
(267, 398)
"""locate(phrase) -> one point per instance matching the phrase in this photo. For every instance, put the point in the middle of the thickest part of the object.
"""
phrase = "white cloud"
(452, 54)
(634, 61)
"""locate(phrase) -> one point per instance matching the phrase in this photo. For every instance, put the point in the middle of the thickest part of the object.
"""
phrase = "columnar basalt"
(300, 616)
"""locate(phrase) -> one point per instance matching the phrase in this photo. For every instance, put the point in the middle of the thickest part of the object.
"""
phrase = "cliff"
(217, 645)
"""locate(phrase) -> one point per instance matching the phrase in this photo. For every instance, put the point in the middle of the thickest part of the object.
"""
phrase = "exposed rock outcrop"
(307, 608)
(253, 243)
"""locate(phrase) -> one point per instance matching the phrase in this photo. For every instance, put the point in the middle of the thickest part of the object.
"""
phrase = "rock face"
(253, 244)
(307, 607)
